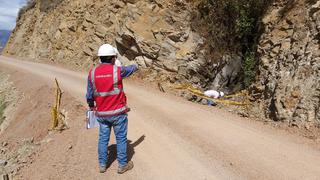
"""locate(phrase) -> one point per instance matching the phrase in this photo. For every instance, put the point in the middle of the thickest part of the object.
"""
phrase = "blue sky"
(8, 13)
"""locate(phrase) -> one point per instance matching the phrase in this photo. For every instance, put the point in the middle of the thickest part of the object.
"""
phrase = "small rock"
(294, 124)
(307, 126)
(276, 49)
(295, 94)
(285, 46)
(170, 66)
(204, 101)
(243, 114)
(160, 87)
(3, 163)
(24, 161)
(140, 61)
(199, 99)
(148, 62)
(4, 144)
(2, 151)
(46, 140)
(70, 146)
(29, 140)
(178, 36)
(190, 97)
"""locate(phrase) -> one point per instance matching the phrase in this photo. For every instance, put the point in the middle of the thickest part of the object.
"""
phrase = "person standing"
(105, 95)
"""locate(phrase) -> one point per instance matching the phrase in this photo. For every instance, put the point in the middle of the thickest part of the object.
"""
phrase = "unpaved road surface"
(169, 138)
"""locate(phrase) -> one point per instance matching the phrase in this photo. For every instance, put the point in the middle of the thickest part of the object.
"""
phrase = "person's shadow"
(112, 150)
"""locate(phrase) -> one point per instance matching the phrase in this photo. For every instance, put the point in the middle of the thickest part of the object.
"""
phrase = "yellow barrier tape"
(199, 93)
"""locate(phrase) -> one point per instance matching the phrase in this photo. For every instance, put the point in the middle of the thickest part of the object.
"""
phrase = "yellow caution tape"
(199, 93)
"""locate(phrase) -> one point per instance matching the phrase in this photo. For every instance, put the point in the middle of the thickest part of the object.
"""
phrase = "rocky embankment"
(159, 36)
(288, 81)
(155, 34)
(10, 98)
(27, 115)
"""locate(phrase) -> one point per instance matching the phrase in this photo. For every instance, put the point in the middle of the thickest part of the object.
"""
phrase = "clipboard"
(92, 120)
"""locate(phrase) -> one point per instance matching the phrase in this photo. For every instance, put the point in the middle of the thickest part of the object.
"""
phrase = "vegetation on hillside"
(232, 26)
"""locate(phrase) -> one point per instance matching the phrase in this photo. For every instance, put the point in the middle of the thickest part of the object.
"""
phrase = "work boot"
(125, 168)
(102, 169)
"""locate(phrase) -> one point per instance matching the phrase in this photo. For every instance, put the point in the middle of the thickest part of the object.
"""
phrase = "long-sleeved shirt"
(126, 71)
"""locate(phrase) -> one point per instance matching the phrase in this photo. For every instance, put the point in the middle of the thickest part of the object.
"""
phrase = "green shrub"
(235, 19)
(232, 26)
(249, 68)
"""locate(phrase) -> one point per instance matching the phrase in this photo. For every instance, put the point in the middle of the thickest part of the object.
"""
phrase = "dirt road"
(170, 138)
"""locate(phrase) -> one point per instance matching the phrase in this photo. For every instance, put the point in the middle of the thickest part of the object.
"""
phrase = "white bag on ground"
(213, 94)
(91, 120)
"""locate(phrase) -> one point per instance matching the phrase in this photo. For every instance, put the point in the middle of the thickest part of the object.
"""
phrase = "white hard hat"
(221, 94)
(106, 50)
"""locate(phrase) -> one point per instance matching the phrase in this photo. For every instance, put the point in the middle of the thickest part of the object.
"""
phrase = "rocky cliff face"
(154, 33)
(288, 83)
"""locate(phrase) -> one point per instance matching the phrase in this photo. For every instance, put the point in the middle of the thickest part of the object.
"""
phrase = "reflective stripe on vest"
(112, 112)
(115, 91)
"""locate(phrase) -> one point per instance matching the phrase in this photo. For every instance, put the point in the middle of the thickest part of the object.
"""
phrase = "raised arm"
(127, 71)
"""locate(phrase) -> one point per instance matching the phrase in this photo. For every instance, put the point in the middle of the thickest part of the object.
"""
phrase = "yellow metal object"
(199, 93)
(55, 112)
(54, 119)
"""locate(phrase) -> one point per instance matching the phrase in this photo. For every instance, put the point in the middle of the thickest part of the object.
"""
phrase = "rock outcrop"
(288, 83)
(154, 33)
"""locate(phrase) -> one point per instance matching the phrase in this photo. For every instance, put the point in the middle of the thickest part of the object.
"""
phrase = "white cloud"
(8, 12)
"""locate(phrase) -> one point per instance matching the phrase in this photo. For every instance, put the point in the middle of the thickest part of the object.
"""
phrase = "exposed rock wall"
(288, 83)
(155, 33)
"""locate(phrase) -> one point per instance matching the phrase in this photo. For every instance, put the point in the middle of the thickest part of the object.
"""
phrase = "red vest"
(108, 90)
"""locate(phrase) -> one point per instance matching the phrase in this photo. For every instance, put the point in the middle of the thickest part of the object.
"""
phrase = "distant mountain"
(4, 36)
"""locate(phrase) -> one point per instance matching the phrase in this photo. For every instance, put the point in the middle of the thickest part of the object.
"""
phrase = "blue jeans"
(120, 126)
